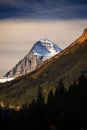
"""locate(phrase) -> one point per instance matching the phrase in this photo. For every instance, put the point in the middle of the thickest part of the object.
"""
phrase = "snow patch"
(3, 80)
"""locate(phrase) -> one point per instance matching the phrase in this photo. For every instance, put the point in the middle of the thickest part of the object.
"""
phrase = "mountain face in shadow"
(67, 65)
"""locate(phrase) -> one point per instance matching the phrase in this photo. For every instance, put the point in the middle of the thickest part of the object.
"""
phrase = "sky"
(23, 22)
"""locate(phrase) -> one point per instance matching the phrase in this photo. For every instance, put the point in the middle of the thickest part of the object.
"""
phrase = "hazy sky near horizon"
(21, 25)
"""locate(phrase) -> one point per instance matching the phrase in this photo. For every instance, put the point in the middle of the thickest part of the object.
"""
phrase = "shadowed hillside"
(64, 110)
(67, 66)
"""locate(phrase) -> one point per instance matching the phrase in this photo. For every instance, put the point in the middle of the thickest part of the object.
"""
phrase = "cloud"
(43, 9)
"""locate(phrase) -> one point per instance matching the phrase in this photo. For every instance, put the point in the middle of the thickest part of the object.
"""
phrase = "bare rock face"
(40, 52)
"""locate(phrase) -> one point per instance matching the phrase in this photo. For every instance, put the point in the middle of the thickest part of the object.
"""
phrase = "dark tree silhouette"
(64, 110)
(40, 98)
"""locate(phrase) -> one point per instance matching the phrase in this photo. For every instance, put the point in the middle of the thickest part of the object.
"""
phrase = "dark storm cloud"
(44, 9)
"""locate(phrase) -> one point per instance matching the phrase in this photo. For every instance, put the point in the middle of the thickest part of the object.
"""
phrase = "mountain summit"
(45, 49)
(41, 51)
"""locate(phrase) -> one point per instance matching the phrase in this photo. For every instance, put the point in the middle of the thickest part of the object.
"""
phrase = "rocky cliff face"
(40, 52)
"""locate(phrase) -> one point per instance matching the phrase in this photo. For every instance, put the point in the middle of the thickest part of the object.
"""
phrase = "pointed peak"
(45, 40)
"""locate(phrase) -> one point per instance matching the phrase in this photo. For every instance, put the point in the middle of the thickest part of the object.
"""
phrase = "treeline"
(64, 110)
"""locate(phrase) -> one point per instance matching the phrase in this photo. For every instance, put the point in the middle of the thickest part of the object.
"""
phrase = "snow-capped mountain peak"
(45, 48)
(41, 51)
